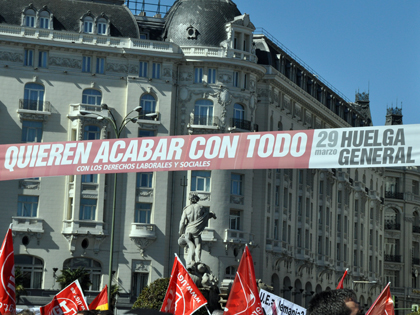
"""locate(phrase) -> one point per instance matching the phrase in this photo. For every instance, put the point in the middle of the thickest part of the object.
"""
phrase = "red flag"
(340, 284)
(244, 298)
(383, 304)
(69, 301)
(182, 296)
(101, 301)
(7, 275)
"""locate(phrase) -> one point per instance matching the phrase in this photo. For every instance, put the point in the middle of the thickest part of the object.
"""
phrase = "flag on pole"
(182, 296)
(70, 300)
(383, 304)
(7, 275)
(244, 298)
(341, 283)
(101, 301)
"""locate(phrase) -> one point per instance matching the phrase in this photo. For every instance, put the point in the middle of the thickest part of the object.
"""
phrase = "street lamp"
(117, 129)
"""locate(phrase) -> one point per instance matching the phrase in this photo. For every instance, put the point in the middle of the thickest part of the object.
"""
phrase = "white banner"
(282, 306)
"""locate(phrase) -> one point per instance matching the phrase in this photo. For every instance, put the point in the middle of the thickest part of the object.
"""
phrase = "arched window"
(203, 113)
(391, 219)
(92, 97)
(238, 112)
(44, 19)
(29, 269)
(287, 289)
(33, 97)
(102, 26)
(88, 24)
(29, 18)
(148, 105)
(92, 266)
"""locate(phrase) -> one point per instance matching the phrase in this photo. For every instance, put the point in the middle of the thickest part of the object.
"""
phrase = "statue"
(193, 221)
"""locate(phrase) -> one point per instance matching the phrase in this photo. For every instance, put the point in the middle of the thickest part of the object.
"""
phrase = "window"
(156, 71)
(88, 25)
(91, 97)
(101, 27)
(245, 85)
(230, 273)
(143, 69)
(211, 76)
(43, 59)
(146, 133)
(143, 36)
(276, 230)
(100, 65)
(238, 112)
(92, 266)
(203, 112)
(87, 209)
(200, 181)
(44, 19)
(415, 187)
(236, 184)
(27, 206)
(236, 79)
(28, 57)
(148, 105)
(139, 282)
(198, 75)
(143, 212)
(91, 132)
(31, 131)
(235, 220)
(144, 180)
(90, 178)
(31, 269)
(86, 64)
(33, 97)
(29, 18)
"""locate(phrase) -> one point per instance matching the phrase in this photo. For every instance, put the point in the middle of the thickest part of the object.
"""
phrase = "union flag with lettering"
(68, 301)
(182, 296)
(7, 275)
(244, 298)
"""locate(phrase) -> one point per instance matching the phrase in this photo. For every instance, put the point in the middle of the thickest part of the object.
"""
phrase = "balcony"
(83, 227)
(27, 225)
(237, 199)
(149, 115)
(203, 124)
(237, 239)
(394, 195)
(34, 109)
(393, 258)
(76, 108)
(143, 230)
(416, 229)
(240, 124)
(392, 226)
(415, 261)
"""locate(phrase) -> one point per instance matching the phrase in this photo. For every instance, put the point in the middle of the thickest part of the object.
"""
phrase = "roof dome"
(199, 22)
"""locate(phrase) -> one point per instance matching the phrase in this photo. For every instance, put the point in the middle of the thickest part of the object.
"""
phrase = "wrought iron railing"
(36, 105)
(393, 258)
(394, 195)
(205, 120)
(240, 123)
(392, 226)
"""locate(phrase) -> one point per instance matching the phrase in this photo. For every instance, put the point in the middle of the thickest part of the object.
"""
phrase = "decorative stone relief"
(29, 184)
(145, 192)
(133, 69)
(141, 266)
(225, 78)
(263, 93)
(167, 72)
(142, 244)
(65, 62)
(186, 76)
(13, 57)
(116, 67)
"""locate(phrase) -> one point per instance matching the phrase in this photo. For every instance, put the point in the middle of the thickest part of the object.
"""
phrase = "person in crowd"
(334, 302)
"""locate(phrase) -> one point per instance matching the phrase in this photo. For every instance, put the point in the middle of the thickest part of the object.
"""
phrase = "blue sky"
(354, 45)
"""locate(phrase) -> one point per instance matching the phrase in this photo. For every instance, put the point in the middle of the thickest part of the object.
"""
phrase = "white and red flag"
(341, 283)
(182, 296)
(7, 275)
(68, 301)
(244, 298)
(383, 304)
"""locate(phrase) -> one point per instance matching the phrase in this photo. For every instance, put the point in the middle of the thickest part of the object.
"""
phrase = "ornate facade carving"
(9, 56)
(117, 67)
(65, 62)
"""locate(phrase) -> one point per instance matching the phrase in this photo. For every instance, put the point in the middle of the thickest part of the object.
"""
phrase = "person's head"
(194, 198)
(334, 302)
(26, 312)
(107, 312)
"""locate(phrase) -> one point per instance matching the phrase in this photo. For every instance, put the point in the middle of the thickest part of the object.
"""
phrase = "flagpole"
(379, 296)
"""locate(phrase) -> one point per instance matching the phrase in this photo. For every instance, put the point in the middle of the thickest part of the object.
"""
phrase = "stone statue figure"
(193, 221)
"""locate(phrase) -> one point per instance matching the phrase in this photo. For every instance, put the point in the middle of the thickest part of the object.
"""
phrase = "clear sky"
(355, 45)
(365, 45)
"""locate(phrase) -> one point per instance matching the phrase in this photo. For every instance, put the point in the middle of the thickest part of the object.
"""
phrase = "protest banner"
(321, 148)
(271, 302)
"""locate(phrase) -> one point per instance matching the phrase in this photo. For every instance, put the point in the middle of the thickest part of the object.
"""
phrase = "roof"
(67, 14)
(199, 22)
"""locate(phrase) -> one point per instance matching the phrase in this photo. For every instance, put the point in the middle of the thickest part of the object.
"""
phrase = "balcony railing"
(392, 226)
(416, 261)
(394, 195)
(416, 229)
(35, 105)
(240, 123)
(393, 258)
(205, 120)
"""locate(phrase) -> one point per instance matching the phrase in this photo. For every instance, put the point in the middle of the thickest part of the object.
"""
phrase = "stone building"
(202, 68)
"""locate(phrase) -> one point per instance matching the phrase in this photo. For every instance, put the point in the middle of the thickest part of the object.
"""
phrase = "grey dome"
(199, 22)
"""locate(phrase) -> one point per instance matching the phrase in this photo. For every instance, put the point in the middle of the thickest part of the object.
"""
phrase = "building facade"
(202, 68)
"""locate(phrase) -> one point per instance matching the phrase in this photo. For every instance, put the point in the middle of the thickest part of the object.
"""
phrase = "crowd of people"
(334, 302)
